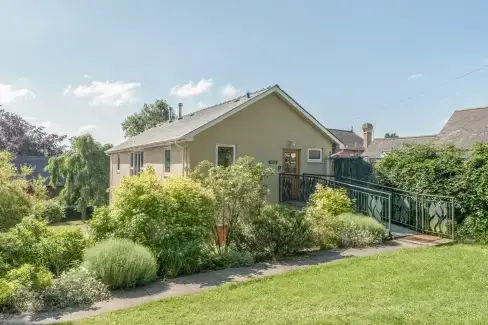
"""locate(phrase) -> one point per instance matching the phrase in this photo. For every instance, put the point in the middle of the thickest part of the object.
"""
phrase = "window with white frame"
(225, 154)
(314, 155)
(136, 162)
(167, 161)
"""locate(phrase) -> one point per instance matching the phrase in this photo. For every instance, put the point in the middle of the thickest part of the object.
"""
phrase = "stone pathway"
(199, 282)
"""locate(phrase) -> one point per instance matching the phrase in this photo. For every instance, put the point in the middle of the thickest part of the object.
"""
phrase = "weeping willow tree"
(85, 171)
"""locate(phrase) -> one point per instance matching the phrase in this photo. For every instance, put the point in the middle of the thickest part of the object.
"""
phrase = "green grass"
(444, 285)
(68, 225)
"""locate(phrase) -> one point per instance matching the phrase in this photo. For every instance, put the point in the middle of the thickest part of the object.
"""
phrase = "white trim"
(118, 163)
(165, 173)
(320, 160)
(233, 146)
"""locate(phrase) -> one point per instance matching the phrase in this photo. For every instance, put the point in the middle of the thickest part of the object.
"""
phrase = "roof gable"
(350, 139)
(466, 127)
(194, 123)
(381, 145)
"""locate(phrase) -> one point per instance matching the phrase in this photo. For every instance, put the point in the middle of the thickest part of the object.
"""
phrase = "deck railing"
(432, 214)
(367, 201)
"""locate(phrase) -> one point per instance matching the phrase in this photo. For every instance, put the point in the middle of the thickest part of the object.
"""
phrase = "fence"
(425, 213)
(367, 201)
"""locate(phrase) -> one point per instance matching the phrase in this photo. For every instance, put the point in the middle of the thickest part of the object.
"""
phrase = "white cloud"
(85, 128)
(415, 76)
(44, 124)
(108, 93)
(87, 76)
(229, 91)
(8, 94)
(67, 90)
(201, 105)
(31, 118)
(191, 89)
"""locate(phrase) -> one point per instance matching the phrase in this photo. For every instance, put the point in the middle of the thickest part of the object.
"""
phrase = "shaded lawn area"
(440, 285)
(69, 225)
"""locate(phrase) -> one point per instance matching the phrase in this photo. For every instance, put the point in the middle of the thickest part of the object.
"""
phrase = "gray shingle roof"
(38, 163)
(177, 129)
(381, 145)
(466, 127)
(350, 139)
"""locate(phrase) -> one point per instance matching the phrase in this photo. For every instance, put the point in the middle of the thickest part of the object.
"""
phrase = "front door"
(291, 165)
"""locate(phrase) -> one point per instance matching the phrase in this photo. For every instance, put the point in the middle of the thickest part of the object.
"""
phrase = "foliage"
(391, 135)
(182, 258)
(276, 230)
(328, 202)
(20, 138)
(49, 210)
(232, 257)
(150, 116)
(238, 188)
(85, 169)
(15, 203)
(121, 263)
(163, 216)
(75, 287)
(474, 227)
(32, 242)
(31, 277)
(359, 231)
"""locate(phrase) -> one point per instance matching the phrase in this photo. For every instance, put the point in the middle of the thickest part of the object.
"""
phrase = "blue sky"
(346, 62)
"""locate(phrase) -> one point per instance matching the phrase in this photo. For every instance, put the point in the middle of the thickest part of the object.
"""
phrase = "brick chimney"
(367, 134)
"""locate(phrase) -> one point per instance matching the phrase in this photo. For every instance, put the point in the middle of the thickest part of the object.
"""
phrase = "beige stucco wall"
(152, 156)
(262, 131)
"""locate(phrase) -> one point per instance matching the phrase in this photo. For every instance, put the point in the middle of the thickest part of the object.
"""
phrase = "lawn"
(442, 285)
(69, 225)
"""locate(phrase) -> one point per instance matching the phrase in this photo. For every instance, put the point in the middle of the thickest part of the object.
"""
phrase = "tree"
(15, 203)
(150, 116)
(20, 138)
(85, 170)
(391, 135)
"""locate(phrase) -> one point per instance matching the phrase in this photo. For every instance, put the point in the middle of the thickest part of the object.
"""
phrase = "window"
(136, 162)
(225, 155)
(314, 155)
(334, 147)
(118, 163)
(167, 161)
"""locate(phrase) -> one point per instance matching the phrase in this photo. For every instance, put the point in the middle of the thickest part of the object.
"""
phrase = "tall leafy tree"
(21, 138)
(150, 116)
(85, 171)
(391, 135)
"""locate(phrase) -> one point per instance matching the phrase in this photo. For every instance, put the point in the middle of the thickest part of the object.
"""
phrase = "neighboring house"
(463, 128)
(38, 164)
(268, 125)
(353, 143)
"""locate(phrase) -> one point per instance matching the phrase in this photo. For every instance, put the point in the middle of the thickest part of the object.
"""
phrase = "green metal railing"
(372, 202)
(427, 213)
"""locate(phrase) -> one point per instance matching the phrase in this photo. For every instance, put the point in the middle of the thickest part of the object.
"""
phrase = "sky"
(83, 66)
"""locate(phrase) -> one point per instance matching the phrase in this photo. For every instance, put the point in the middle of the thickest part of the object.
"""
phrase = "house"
(38, 164)
(268, 125)
(353, 143)
(464, 127)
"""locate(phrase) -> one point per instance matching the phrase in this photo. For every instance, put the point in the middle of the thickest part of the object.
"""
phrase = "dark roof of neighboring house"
(381, 145)
(466, 127)
(350, 139)
(36, 162)
(192, 123)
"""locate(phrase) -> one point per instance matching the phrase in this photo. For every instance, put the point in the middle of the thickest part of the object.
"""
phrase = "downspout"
(183, 160)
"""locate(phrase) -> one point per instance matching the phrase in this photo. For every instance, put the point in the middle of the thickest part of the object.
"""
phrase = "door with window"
(291, 165)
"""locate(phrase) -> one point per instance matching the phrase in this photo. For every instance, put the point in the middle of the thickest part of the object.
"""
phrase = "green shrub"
(276, 230)
(164, 217)
(121, 263)
(182, 259)
(32, 242)
(359, 231)
(227, 258)
(49, 210)
(73, 288)
(30, 277)
(326, 202)
(474, 228)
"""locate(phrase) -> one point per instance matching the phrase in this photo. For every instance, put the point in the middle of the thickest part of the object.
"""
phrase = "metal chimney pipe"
(180, 111)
